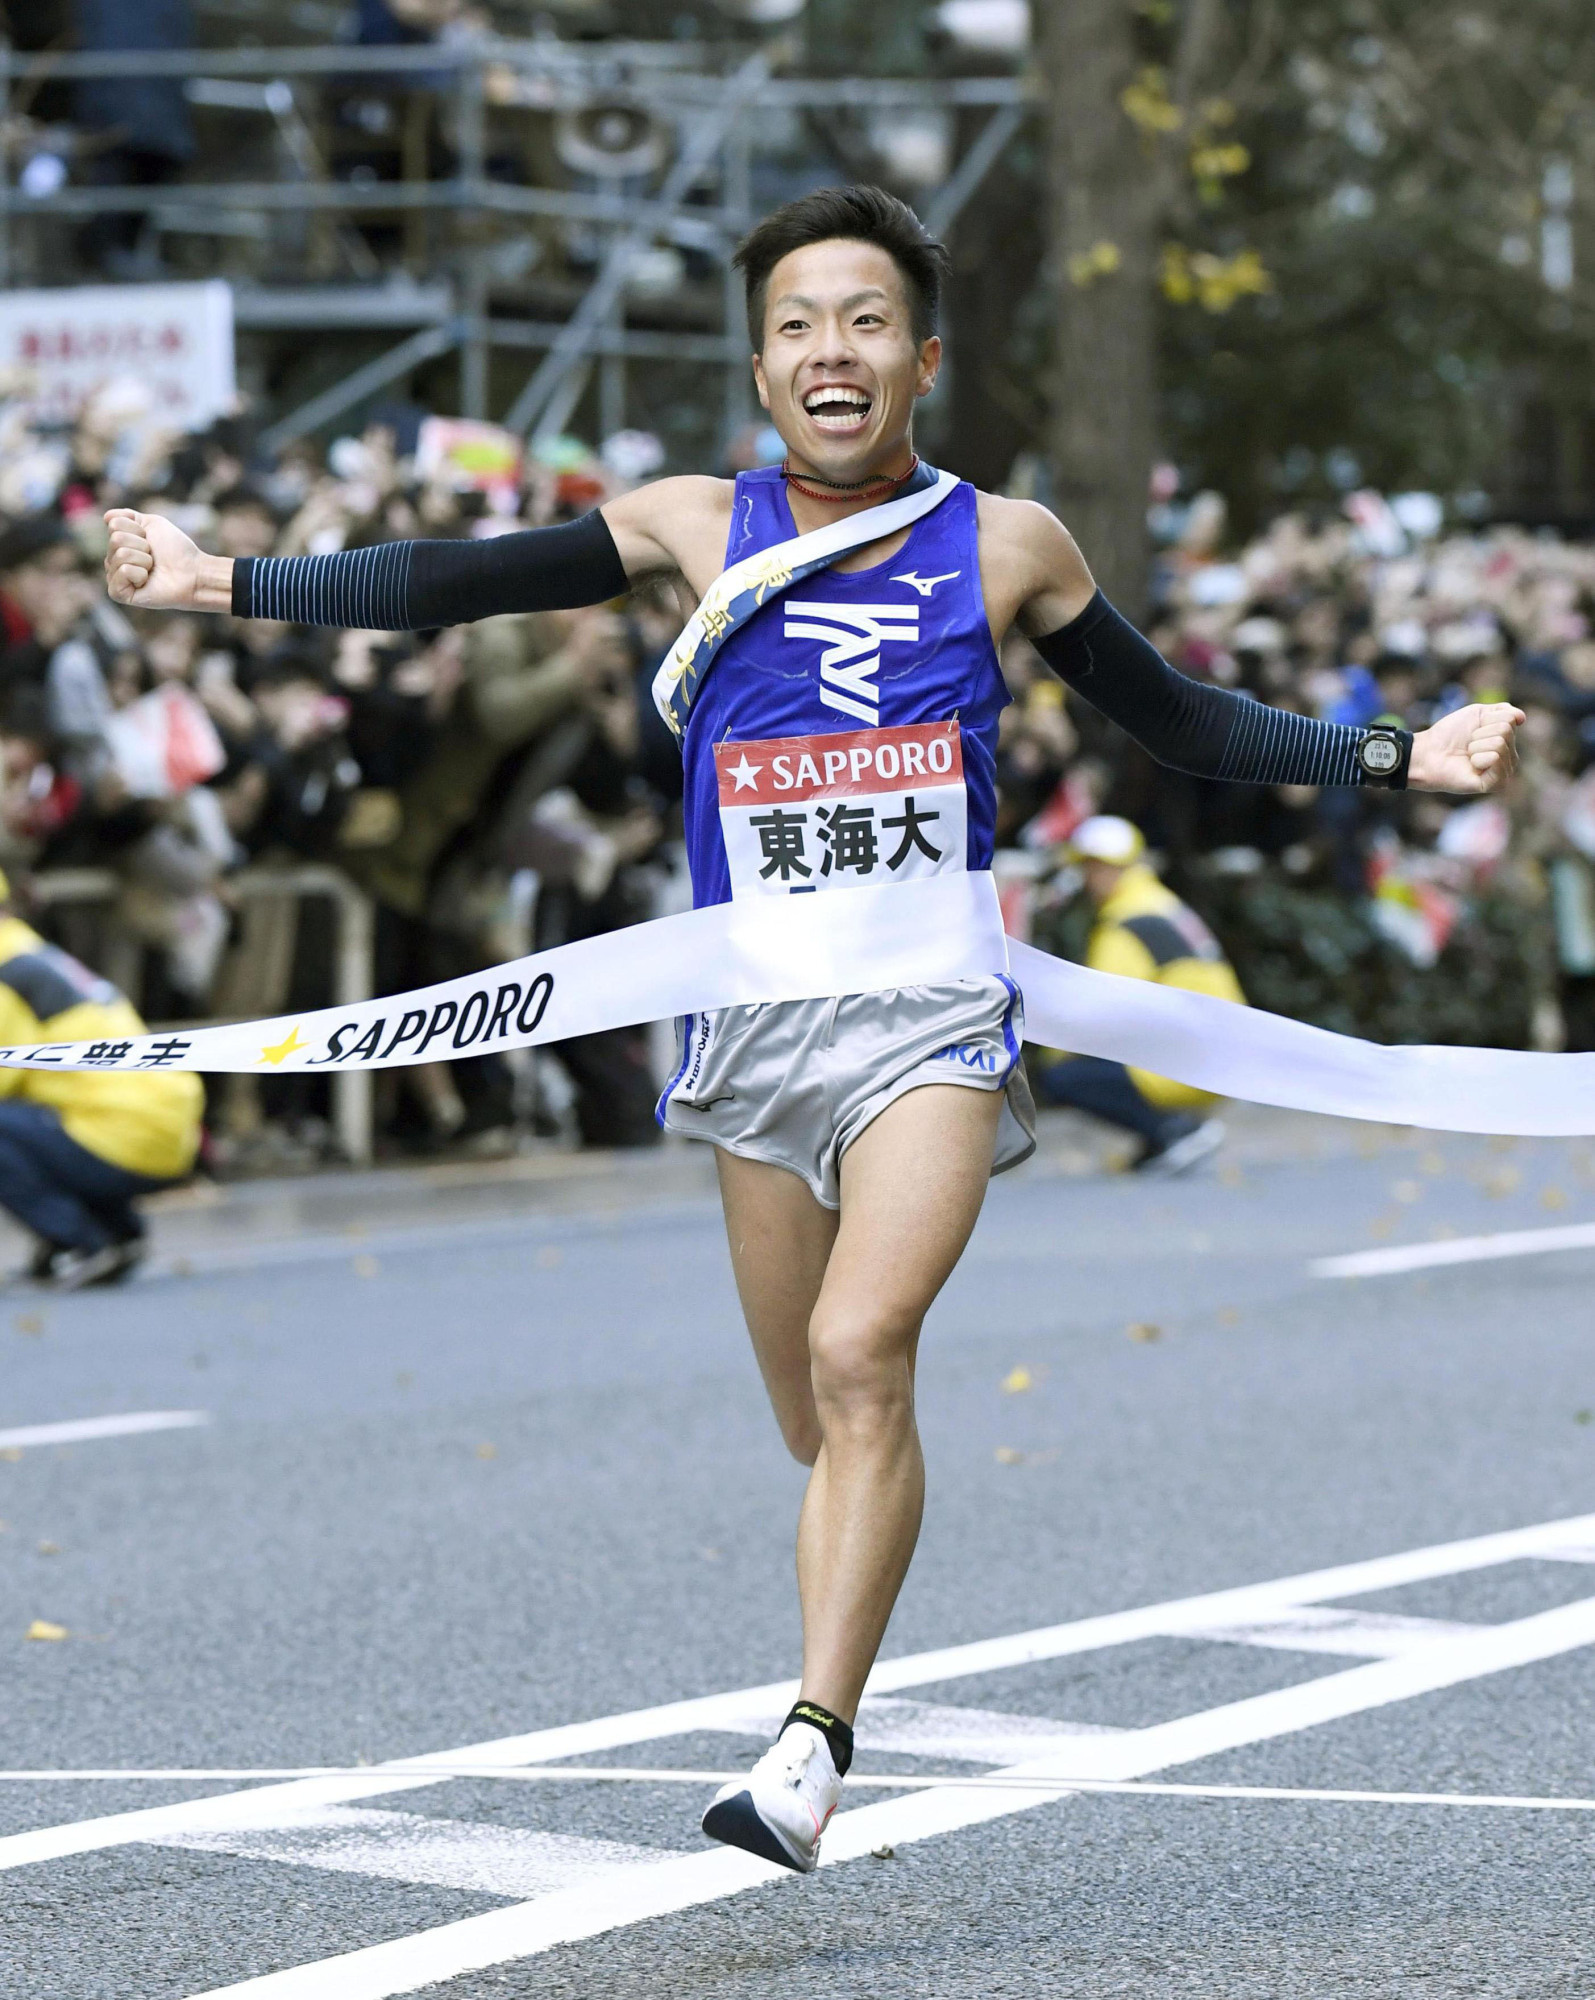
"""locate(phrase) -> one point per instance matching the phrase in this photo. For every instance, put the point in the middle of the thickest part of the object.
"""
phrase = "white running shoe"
(780, 1809)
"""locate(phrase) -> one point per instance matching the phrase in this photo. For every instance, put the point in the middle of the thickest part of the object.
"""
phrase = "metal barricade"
(352, 965)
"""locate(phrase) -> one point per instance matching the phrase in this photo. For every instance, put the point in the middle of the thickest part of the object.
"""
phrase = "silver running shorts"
(795, 1082)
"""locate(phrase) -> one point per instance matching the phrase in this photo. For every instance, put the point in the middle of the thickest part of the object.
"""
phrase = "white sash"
(941, 928)
(736, 593)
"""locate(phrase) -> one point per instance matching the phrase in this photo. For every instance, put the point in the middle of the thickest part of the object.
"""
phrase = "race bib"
(800, 813)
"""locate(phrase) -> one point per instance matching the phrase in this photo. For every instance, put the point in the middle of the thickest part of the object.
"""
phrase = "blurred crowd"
(1400, 915)
(490, 788)
(506, 786)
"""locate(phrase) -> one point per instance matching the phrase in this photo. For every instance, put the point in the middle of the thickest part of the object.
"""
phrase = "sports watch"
(1383, 756)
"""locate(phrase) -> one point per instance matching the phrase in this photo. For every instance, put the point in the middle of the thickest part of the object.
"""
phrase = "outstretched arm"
(1210, 731)
(413, 586)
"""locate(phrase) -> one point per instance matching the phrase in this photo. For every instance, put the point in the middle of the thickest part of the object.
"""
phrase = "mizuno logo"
(925, 584)
(854, 635)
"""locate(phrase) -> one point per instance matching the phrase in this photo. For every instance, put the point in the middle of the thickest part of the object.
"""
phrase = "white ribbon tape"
(866, 940)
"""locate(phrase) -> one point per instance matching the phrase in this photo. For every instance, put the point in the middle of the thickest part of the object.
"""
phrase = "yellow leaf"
(1552, 1197)
(487, 1451)
(1006, 1455)
(366, 1267)
(30, 1323)
(49, 1548)
(12, 1454)
(1143, 1330)
(1100, 261)
(1017, 1381)
(41, 1628)
(1147, 103)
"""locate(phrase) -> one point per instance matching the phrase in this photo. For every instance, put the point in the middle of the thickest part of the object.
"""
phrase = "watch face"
(1379, 755)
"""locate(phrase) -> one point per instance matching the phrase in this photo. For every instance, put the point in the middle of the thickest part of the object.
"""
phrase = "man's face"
(245, 531)
(1101, 879)
(841, 371)
(48, 592)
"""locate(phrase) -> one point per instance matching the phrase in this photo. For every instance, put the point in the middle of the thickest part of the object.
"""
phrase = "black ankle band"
(837, 1733)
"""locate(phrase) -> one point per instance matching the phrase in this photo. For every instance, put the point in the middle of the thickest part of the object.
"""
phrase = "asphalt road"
(486, 1457)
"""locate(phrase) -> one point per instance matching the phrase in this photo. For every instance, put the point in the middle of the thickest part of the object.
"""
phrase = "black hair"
(243, 495)
(25, 713)
(33, 536)
(851, 214)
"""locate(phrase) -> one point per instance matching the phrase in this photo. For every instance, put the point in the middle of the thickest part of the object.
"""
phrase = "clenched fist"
(1470, 750)
(153, 564)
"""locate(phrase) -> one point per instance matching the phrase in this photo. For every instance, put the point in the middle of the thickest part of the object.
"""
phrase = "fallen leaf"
(1006, 1455)
(550, 1257)
(366, 1267)
(1433, 1163)
(1231, 1177)
(487, 1451)
(41, 1628)
(711, 1555)
(404, 1378)
(30, 1322)
(1382, 1225)
(1143, 1330)
(12, 1454)
(1228, 1316)
(1017, 1381)
(1552, 1197)
(1503, 1181)
(1583, 1416)
(49, 1548)
(1406, 1191)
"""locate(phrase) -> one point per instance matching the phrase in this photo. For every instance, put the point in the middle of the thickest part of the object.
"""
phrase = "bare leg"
(780, 1239)
(912, 1187)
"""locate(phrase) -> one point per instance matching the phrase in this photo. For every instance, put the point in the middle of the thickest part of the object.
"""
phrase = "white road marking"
(1455, 1250)
(927, 1729)
(1243, 1605)
(510, 1861)
(80, 1430)
(621, 1898)
(1370, 1635)
(584, 1910)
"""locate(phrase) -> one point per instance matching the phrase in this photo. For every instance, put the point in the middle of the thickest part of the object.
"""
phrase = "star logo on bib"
(746, 774)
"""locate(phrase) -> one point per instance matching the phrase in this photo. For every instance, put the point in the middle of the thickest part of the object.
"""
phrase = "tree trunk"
(1103, 205)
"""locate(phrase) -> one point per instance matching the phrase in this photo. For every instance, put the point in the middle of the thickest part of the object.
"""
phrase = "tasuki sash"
(747, 586)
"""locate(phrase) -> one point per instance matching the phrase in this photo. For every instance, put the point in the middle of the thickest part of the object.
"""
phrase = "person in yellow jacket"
(78, 1148)
(1142, 931)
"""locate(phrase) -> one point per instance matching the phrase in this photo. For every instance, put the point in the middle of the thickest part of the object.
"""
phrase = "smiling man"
(846, 735)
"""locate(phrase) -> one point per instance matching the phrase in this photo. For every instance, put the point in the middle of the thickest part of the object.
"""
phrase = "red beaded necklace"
(866, 489)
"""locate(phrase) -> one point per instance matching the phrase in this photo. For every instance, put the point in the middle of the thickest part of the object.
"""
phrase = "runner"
(844, 736)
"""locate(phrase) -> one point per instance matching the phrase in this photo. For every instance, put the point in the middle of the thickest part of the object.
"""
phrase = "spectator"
(78, 1149)
(141, 124)
(1142, 931)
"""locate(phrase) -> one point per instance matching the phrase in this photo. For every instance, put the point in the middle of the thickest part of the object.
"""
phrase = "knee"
(859, 1367)
(801, 1434)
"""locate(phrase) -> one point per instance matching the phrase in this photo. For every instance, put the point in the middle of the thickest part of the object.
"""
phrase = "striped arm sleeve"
(1192, 725)
(367, 588)
(1273, 746)
(416, 586)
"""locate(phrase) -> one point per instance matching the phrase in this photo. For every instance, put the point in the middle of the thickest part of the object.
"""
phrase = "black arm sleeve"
(414, 586)
(1192, 725)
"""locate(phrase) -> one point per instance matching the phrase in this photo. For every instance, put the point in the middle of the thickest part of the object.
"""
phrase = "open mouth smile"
(838, 408)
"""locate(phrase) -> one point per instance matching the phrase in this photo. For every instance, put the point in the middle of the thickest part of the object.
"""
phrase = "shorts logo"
(970, 1054)
(855, 634)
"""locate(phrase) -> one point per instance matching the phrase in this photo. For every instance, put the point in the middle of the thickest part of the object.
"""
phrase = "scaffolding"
(680, 179)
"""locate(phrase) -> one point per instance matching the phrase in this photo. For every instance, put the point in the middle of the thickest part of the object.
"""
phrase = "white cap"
(1105, 837)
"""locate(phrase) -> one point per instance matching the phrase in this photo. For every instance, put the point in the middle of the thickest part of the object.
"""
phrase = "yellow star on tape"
(278, 1052)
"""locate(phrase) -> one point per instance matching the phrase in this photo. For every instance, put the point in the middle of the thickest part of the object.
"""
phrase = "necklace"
(840, 495)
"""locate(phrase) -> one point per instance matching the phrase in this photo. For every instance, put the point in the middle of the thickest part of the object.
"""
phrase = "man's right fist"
(153, 564)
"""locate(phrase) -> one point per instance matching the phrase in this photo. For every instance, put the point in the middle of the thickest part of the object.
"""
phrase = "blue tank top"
(847, 733)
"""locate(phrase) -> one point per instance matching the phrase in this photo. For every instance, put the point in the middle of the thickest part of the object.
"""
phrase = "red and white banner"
(175, 341)
(844, 811)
